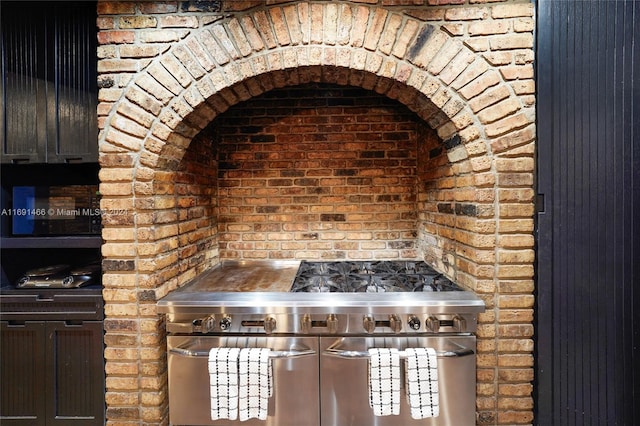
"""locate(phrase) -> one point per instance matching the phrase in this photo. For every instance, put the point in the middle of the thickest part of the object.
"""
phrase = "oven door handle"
(273, 354)
(334, 351)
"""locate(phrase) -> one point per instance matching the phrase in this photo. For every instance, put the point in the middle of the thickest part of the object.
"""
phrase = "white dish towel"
(223, 379)
(421, 373)
(254, 383)
(384, 381)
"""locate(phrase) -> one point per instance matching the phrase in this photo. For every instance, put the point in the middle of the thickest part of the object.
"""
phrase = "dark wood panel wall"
(588, 231)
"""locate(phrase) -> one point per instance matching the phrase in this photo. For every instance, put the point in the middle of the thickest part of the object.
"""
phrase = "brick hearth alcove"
(169, 69)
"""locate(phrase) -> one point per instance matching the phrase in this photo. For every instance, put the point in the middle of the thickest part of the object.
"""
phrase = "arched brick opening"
(166, 236)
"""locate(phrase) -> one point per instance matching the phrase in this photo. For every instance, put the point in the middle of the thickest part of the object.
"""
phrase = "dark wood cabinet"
(48, 87)
(52, 372)
(51, 341)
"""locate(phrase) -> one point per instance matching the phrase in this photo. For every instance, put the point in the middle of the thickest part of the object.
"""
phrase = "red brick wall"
(316, 171)
(196, 201)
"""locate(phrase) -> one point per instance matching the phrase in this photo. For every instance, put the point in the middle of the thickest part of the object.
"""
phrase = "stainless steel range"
(321, 321)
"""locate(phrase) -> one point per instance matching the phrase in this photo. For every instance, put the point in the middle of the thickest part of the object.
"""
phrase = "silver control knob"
(459, 323)
(196, 326)
(395, 323)
(306, 324)
(414, 322)
(369, 324)
(225, 323)
(332, 323)
(208, 324)
(269, 325)
(433, 324)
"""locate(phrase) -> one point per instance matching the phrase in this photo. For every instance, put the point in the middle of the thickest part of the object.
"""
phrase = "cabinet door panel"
(24, 88)
(22, 374)
(75, 375)
(48, 87)
(75, 128)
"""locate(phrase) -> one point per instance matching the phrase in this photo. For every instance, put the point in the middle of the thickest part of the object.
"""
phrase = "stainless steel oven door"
(344, 381)
(295, 399)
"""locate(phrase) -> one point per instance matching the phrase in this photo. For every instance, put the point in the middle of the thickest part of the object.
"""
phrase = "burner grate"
(371, 277)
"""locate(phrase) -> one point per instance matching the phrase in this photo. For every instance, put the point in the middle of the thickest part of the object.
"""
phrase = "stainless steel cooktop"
(245, 297)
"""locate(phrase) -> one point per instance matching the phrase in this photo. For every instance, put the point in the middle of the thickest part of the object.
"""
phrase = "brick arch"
(232, 60)
(212, 68)
(169, 99)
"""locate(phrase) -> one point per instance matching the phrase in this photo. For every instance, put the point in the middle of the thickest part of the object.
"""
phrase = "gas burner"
(369, 277)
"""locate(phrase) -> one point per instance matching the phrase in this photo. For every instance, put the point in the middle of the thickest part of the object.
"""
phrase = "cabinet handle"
(334, 350)
(73, 160)
(273, 354)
